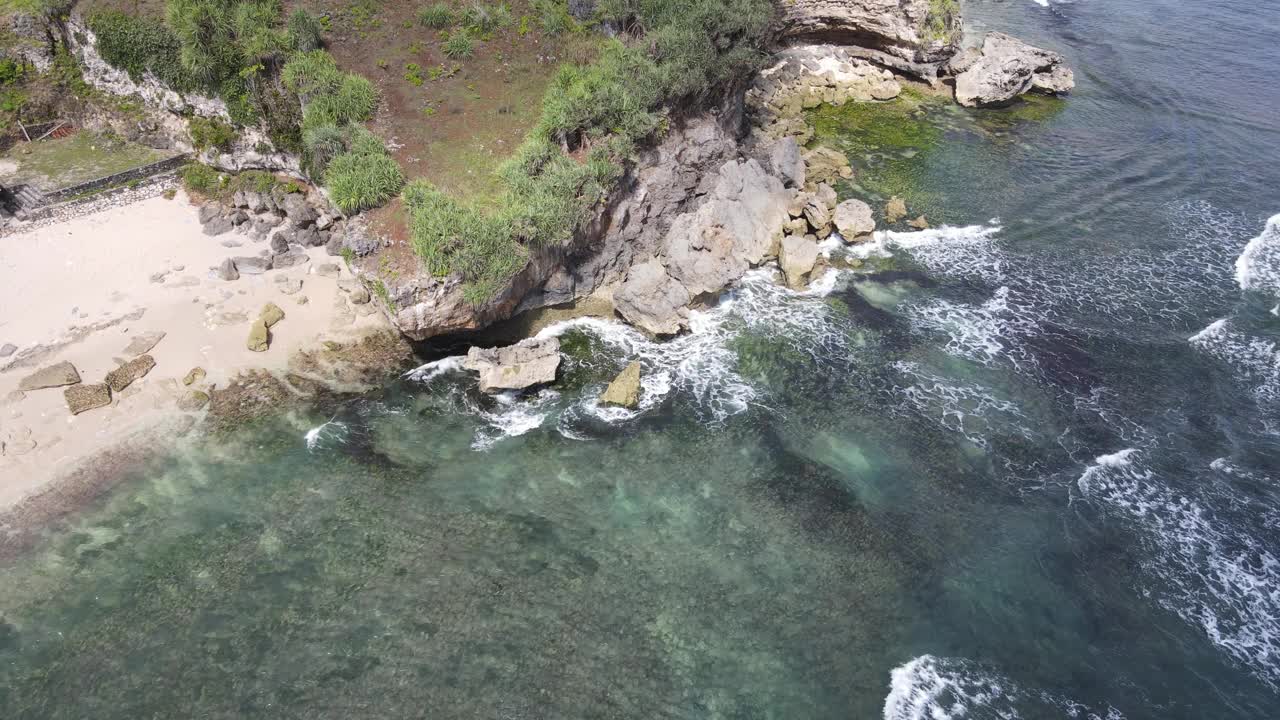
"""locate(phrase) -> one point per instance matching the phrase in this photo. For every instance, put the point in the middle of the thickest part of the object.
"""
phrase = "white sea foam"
(1256, 360)
(968, 251)
(432, 370)
(326, 434)
(512, 415)
(988, 333)
(1212, 573)
(969, 409)
(1258, 267)
(933, 688)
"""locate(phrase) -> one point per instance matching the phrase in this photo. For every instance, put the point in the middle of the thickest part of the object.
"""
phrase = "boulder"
(356, 292)
(218, 226)
(309, 237)
(287, 285)
(123, 376)
(920, 223)
(144, 342)
(254, 202)
(334, 246)
(292, 258)
(271, 314)
(652, 300)
(259, 339)
(895, 210)
(329, 270)
(799, 255)
(279, 243)
(299, 212)
(854, 219)
(8, 349)
(227, 270)
(624, 391)
(87, 397)
(193, 376)
(520, 366)
(252, 265)
(208, 213)
(63, 373)
(193, 400)
(787, 164)
(1008, 68)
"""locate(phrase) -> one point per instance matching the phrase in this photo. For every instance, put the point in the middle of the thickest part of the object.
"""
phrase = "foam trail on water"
(967, 251)
(935, 688)
(965, 408)
(1258, 267)
(1213, 573)
(1255, 359)
(512, 416)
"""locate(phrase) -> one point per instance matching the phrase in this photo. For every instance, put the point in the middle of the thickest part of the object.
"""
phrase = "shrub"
(311, 73)
(459, 45)
(140, 45)
(451, 237)
(304, 31)
(210, 134)
(356, 98)
(200, 178)
(436, 17)
(358, 182)
(485, 19)
(321, 145)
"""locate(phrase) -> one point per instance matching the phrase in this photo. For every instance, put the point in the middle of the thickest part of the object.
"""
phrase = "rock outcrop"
(911, 36)
(624, 391)
(63, 373)
(83, 397)
(518, 367)
(1007, 68)
(123, 376)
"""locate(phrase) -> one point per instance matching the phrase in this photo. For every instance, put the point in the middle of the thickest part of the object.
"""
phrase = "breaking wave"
(965, 408)
(1258, 267)
(1256, 360)
(933, 688)
(1212, 573)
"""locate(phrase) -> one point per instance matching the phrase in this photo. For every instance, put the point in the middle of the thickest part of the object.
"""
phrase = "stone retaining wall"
(120, 178)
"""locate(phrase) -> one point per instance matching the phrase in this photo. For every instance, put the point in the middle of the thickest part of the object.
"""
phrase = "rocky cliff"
(911, 36)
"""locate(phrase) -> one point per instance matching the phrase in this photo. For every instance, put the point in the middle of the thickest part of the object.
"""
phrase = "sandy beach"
(94, 289)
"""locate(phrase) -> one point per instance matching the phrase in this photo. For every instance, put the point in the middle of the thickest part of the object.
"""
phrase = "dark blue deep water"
(1023, 466)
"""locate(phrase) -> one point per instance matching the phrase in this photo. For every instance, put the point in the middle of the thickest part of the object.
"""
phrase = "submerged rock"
(1008, 68)
(520, 366)
(63, 373)
(144, 342)
(895, 209)
(624, 391)
(123, 376)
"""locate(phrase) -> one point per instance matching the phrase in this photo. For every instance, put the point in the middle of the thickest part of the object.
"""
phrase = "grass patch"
(437, 16)
(459, 45)
(53, 164)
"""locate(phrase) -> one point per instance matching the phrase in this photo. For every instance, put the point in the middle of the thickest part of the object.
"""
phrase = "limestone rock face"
(123, 376)
(520, 366)
(624, 391)
(652, 300)
(912, 30)
(64, 373)
(854, 219)
(1008, 68)
(787, 164)
(87, 397)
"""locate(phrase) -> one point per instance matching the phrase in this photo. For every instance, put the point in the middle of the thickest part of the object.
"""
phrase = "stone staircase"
(27, 199)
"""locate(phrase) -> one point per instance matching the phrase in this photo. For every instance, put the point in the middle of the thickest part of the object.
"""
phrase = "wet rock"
(799, 255)
(193, 376)
(895, 210)
(259, 339)
(227, 270)
(624, 391)
(144, 342)
(271, 314)
(920, 223)
(123, 376)
(87, 397)
(1008, 68)
(854, 219)
(193, 401)
(63, 373)
(517, 367)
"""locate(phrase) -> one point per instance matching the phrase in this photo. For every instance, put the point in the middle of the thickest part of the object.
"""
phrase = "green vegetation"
(413, 73)
(459, 45)
(211, 134)
(204, 180)
(359, 181)
(141, 45)
(58, 163)
(485, 19)
(437, 17)
(942, 19)
(670, 53)
(304, 31)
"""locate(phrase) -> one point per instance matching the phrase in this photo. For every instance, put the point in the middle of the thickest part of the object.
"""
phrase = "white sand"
(59, 281)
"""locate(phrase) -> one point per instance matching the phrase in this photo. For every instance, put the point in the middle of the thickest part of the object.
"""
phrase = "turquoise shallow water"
(1024, 466)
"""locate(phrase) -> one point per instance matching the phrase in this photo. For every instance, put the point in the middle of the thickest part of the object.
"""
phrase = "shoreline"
(94, 288)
